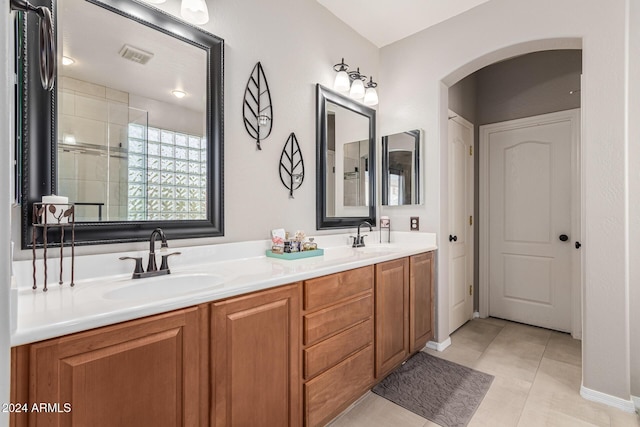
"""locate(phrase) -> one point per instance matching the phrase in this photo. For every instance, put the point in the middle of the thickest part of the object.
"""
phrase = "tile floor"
(537, 382)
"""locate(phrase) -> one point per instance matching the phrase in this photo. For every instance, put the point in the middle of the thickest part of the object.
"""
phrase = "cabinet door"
(421, 269)
(140, 373)
(392, 314)
(256, 359)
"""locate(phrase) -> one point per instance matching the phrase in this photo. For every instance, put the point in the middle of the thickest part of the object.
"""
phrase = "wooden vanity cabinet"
(421, 313)
(146, 372)
(255, 359)
(392, 315)
(338, 350)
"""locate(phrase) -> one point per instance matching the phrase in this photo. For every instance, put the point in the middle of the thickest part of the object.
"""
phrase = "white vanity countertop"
(103, 293)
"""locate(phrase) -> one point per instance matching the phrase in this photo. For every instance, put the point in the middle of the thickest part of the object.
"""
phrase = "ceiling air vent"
(134, 54)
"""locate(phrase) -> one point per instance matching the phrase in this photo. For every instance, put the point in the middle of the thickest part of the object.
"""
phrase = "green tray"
(296, 255)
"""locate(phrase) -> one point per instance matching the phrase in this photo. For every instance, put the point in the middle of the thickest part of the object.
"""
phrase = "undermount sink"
(379, 249)
(166, 286)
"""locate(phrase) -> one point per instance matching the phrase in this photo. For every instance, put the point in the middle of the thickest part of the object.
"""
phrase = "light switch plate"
(415, 223)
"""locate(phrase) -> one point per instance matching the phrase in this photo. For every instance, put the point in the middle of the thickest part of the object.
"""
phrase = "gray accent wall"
(524, 86)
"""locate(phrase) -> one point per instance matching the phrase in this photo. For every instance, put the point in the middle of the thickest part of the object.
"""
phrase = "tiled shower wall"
(92, 137)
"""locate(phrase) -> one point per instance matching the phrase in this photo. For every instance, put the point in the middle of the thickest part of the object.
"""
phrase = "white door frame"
(576, 207)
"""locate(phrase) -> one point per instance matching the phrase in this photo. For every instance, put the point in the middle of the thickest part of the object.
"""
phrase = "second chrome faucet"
(152, 266)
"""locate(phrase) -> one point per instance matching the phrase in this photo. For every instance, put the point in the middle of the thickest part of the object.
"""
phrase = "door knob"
(563, 237)
(578, 245)
(453, 238)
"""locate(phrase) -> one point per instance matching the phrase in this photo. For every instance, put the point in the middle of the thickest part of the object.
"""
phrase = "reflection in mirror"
(345, 131)
(401, 168)
(132, 133)
(356, 166)
(128, 148)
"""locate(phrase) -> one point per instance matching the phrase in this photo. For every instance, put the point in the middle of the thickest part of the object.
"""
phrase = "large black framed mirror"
(401, 168)
(345, 157)
(132, 133)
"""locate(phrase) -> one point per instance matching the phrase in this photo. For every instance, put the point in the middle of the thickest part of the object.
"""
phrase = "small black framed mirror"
(401, 168)
(345, 156)
(132, 133)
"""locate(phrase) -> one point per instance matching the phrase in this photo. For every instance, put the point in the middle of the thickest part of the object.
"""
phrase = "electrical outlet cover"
(415, 223)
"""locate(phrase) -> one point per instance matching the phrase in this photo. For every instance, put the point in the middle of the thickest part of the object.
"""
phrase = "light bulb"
(342, 82)
(357, 89)
(178, 94)
(67, 60)
(155, 1)
(195, 11)
(370, 96)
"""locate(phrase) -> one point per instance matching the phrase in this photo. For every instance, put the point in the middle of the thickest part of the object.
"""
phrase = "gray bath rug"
(438, 390)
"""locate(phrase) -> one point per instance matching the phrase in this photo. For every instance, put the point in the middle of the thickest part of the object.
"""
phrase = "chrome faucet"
(358, 241)
(152, 267)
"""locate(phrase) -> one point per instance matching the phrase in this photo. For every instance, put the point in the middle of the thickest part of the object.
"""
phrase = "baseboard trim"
(476, 314)
(607, 399)
(636, 402)
(439, 346)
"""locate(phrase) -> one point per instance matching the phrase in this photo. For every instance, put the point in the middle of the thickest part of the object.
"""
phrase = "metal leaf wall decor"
(256, 108)
(291, 165)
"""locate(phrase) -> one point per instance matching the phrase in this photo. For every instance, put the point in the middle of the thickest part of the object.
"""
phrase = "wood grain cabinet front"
(146, 372)
(392, 314)
(338, 350)
(421, 268)
(256, 359)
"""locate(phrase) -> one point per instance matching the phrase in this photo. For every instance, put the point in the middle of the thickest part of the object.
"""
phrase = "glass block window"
(167, 175)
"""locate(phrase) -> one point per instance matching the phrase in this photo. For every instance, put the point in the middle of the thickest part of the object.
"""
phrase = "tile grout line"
(534, 379)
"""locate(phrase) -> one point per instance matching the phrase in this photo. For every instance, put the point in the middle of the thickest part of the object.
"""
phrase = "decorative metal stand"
(256, 109)
(291, 165)
(47, 216)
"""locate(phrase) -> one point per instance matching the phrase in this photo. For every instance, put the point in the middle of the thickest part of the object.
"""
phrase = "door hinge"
(470, 290)
(471, 150)
(470, 219)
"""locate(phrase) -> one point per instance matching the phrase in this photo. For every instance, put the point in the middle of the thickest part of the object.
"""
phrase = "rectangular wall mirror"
(132, 131)
(345, 133)
(401, 168)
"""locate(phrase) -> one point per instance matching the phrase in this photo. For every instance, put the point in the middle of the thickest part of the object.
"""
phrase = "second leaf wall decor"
(256, 107)
(291, 165)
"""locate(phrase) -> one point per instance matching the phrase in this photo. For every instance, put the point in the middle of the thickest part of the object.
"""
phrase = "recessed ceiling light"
(67, 60)
(178, 93)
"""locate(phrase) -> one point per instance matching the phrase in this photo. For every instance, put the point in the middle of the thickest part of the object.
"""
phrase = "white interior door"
(460, 239)
(529, 218)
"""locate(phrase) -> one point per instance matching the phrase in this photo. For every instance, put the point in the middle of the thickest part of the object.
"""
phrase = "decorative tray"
(296, 255)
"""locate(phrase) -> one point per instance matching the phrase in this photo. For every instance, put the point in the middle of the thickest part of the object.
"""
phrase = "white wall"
(497, 30)
(6, 143)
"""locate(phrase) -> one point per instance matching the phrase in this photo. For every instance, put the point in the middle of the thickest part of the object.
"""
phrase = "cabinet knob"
(453, 238)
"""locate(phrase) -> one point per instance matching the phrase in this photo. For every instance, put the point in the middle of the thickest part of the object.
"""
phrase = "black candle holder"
(291, 165)
(257, 110)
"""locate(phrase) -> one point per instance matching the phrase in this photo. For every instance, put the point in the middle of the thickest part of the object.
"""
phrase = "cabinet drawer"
(329, 352)
(334, 390)
(335, 287)
(331, 320)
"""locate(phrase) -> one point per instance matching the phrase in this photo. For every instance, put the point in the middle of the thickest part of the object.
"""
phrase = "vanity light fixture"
(342, 82)
(178, 94)
(354, 83)
(371, 95)
(67, 60)
(195, 11)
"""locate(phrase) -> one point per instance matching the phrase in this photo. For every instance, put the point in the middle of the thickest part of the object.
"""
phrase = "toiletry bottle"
(385, 227)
